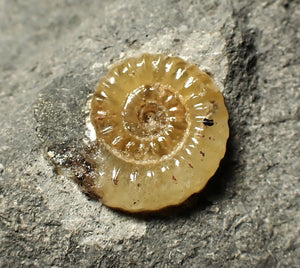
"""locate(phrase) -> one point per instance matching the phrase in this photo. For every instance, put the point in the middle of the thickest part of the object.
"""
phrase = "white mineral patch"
(98, 223)
(90, 132)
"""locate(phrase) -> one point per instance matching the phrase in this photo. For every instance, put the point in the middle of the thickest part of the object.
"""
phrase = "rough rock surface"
(52, 53)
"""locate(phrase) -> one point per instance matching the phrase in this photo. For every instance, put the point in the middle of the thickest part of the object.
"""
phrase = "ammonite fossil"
(161, 129)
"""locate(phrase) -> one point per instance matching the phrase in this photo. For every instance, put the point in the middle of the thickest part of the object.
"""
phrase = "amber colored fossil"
(161, 127)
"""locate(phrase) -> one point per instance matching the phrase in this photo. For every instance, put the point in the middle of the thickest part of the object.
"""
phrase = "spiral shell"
(161, 127)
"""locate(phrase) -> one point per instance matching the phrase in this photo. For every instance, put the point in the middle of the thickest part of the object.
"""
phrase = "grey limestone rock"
(52, 53)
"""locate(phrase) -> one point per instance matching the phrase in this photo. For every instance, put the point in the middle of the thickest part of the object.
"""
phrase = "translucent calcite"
(161, 128)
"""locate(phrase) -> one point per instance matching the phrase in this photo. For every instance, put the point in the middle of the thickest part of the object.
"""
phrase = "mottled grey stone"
(52, 53)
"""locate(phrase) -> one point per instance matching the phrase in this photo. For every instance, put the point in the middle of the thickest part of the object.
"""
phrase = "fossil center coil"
(155, 123)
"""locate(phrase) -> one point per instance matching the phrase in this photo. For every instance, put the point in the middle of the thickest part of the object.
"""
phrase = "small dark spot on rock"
(208, 122)
(208, 73)
(286, 4)
(107, 47)
(202, 153)
(130, 42)
(173, 178)
(33, 68)
(191, 166)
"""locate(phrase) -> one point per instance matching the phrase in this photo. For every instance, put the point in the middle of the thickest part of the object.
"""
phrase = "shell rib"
(161, 126)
